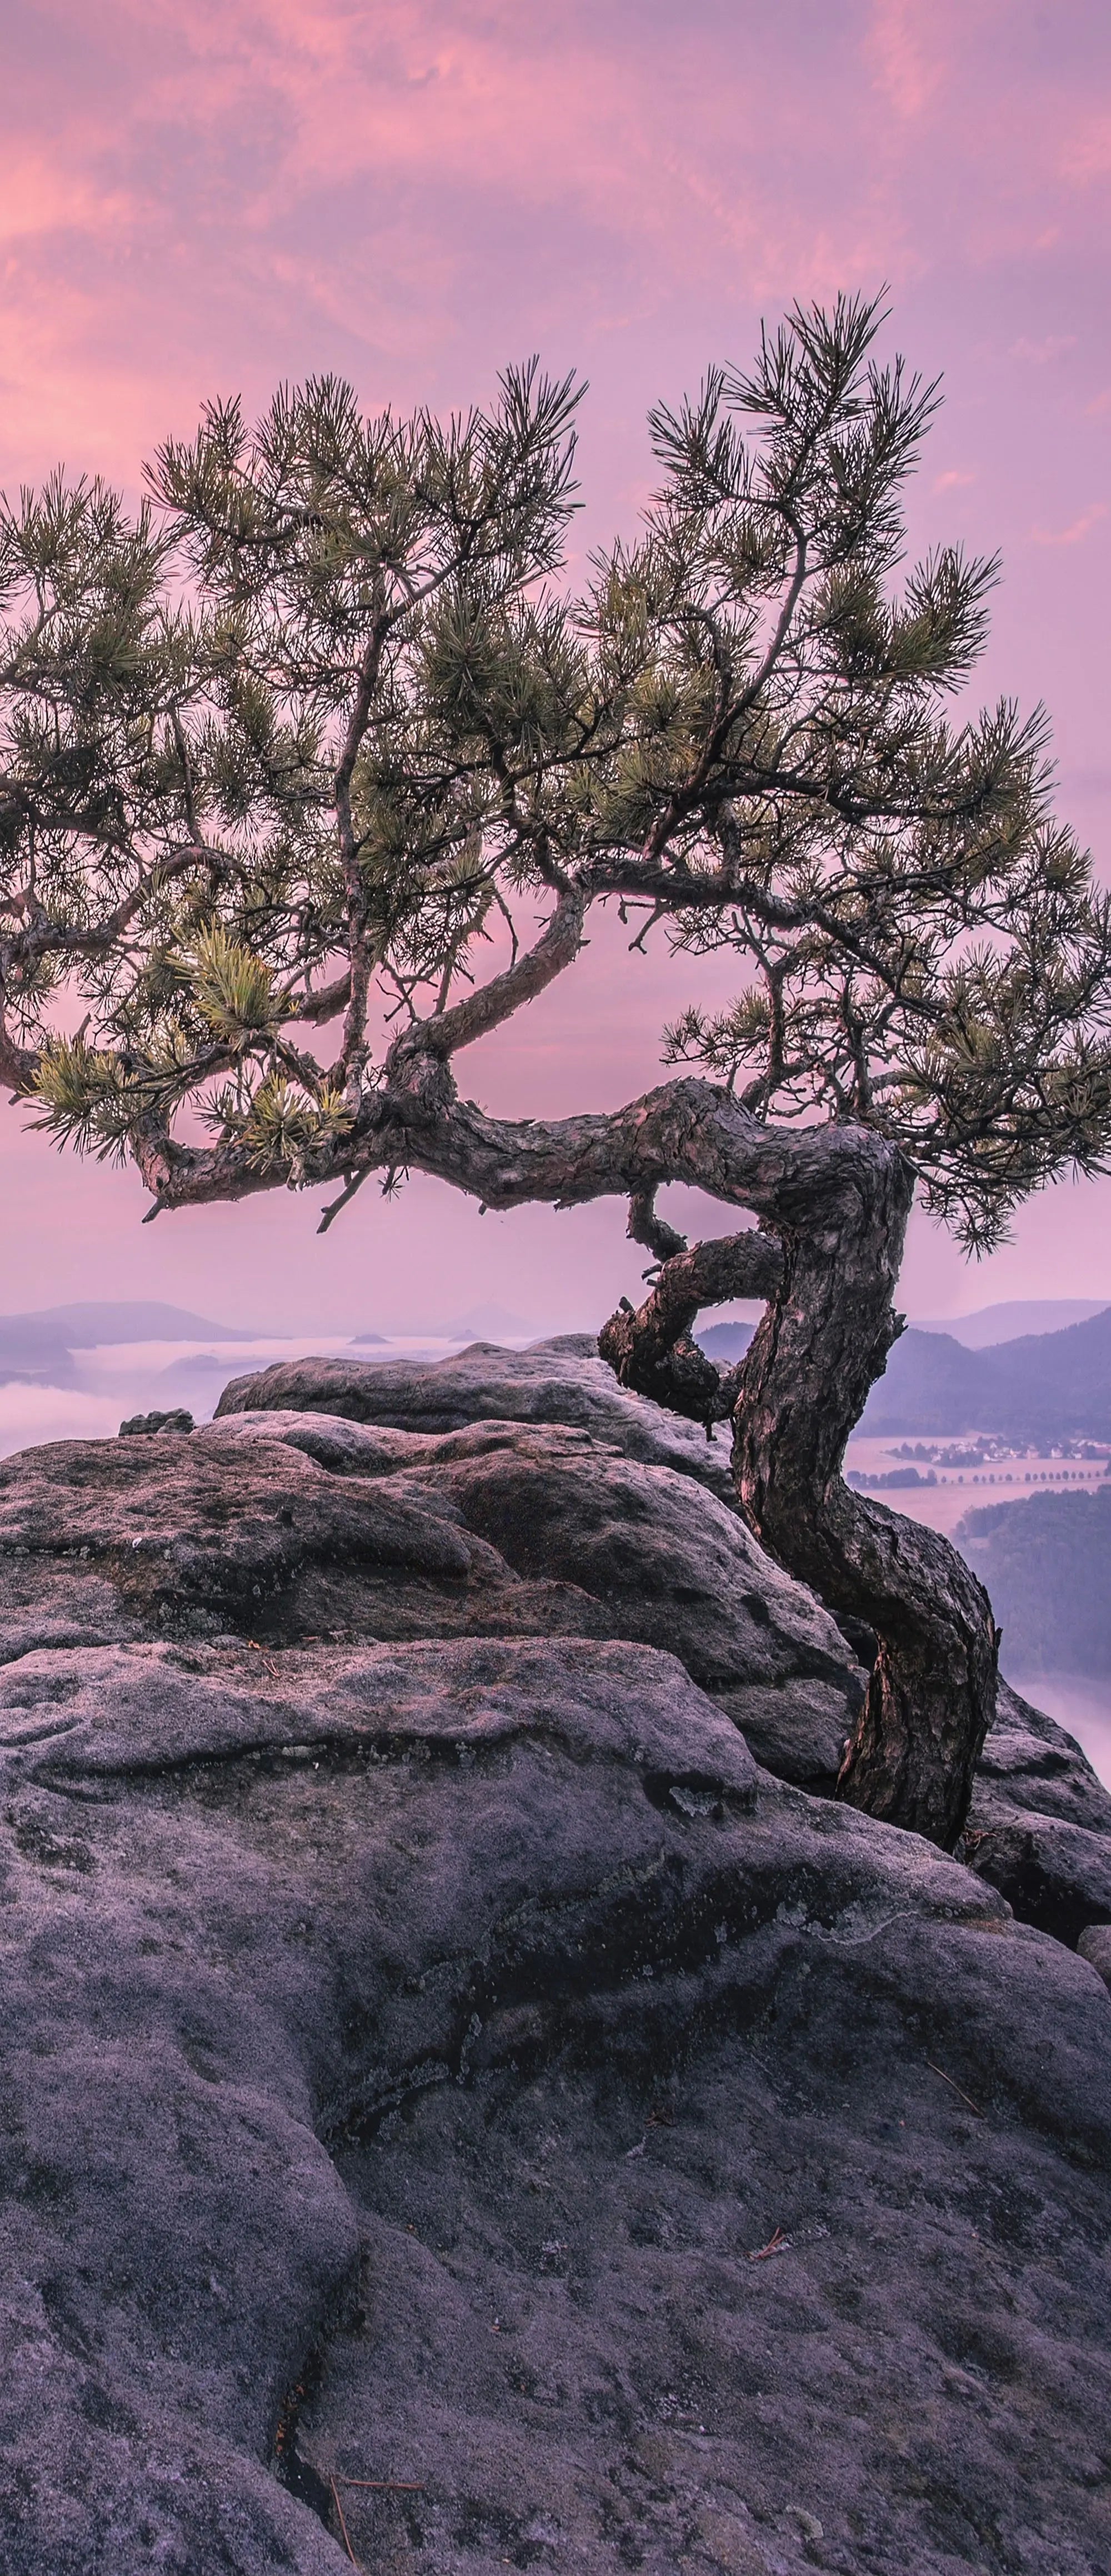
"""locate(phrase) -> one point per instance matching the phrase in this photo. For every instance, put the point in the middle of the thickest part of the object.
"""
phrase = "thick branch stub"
(650, 1349)
(653, 1231)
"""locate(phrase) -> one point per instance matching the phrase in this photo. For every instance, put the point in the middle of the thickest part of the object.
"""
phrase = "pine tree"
(297, 738)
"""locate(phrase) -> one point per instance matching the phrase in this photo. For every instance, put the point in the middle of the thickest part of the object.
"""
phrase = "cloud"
(953, 481)
(40, 195)
(1086, 154)
(1072, 535)
(30, 1414)
(1040, 353)
(205, 192)
(905, 50)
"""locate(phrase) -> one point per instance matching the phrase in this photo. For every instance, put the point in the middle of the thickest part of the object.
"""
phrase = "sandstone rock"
(1040, 1823)
(139, 1423)
(278, 1526)
(345, 1448)
(455, 2063)
(1095, 1946)
(137, 1536)
(561, 1380)
(667, 1564)
(651, 1554)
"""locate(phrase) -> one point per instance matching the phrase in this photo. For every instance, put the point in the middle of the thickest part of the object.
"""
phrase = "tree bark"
(804, 1382)
(795, 1399)
(650, 1348)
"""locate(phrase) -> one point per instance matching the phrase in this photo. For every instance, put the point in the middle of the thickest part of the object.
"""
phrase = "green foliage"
(283, 1129)
(233, 989)
(286, 748)
(90, 1099)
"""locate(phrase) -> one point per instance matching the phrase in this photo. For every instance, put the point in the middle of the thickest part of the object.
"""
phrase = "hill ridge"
(1038, 1386)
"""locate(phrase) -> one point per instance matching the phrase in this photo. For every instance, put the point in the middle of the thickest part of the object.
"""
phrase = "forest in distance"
(1046, 1563)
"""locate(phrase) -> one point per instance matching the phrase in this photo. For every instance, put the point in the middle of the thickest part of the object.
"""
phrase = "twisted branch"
(650, 1348)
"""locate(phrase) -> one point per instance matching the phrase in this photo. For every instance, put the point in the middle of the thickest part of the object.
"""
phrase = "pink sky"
(200, 198)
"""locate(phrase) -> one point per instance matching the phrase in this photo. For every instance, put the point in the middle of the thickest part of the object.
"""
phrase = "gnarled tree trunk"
(828, 1272)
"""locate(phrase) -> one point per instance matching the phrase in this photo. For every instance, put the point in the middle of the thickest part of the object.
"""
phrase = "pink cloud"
(197, 195)
(41, 194)
(1087, 151)
(907, 48)
(1041, 353)
(1073, 534)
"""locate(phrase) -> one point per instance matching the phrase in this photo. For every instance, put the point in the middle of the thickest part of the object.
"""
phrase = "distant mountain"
(485, 1323)
(726, 1342)
(1020, 1316)
(38, 1347)
(87, 1323)
(199, 1364)
(1047, 1567)
(1041, 1387)
(931, 1383)
(1036, 1387)
(31, 1353)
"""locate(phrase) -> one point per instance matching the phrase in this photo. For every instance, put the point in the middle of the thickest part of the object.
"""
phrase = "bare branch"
(490, 1004)
(330, 1214)
(327, 1003)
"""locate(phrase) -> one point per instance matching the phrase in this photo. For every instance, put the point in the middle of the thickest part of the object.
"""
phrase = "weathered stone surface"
(141, 1536)
(667, 1564)
(657, 1556)
(432, 2050)
(345, 1448)
(279, 1526)
(1040, 1823)
(177, 1419)
(561, 1380)
(407, 2050)
(1094, 1945)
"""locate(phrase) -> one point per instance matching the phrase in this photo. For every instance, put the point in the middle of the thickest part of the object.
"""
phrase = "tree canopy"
(281, 750)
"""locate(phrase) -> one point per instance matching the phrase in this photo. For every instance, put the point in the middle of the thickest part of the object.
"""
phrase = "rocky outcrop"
(439, 2054)
(562, 1380)
(1039, 1826)
(283, 1526)
(177, 1419)
(1040, 1823)
(644, 1552)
